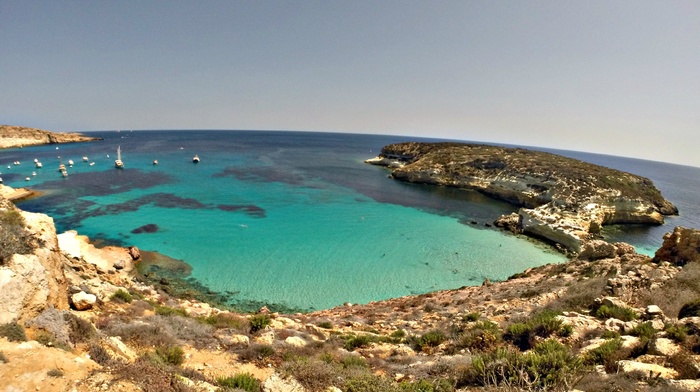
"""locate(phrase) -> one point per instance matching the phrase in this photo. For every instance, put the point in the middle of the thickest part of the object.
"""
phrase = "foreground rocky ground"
(75, 318)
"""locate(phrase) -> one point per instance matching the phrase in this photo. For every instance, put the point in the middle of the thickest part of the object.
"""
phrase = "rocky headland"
(563, 201)
(15, 136)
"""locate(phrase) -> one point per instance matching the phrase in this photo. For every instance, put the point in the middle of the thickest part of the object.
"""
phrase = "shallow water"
(292, 220)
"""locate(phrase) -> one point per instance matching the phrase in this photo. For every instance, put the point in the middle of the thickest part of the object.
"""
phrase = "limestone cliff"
(33, 281)
(14, 136)
(563, 200)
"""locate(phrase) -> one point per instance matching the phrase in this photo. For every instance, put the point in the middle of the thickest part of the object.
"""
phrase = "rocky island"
(563, 200)
(15, 136)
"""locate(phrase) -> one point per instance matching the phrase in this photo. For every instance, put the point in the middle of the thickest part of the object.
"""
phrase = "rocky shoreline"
(563, 201)
(104, 329)
(15, 136)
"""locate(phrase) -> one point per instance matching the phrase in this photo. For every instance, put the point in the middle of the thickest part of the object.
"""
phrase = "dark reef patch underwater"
(294, 220)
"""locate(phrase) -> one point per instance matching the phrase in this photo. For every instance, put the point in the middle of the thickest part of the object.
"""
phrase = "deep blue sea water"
(296, 220)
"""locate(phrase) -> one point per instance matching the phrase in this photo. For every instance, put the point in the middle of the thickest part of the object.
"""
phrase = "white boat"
(61, 167)
(64, 173)
(0, 180)
(195, 159)
(118, 163)
(155, 162)
(27, 179)
(38, 165)
(85, 159)
(92, 163)
(34, 173)
(70, 162)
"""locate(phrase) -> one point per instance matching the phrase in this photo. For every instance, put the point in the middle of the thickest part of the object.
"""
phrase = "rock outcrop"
(563, 200)
(29, 283)
(14, 136)
(680, 247)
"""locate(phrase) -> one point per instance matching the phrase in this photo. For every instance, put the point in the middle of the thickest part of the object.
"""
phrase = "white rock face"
(83, 300)
(646, 368)
(295, 341)
(275, 383)
(32, 282)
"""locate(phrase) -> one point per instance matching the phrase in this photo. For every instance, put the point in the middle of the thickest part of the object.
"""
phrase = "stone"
(121, 349)
(119, 264)
(295, 341)
(83, 300)
(596, 250)
(134, 253)
(663, 346)
(626, 366)
(654, 310)
(275, 383)
(680, 247)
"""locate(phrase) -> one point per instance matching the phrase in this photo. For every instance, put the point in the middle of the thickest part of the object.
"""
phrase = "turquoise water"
(295, 221)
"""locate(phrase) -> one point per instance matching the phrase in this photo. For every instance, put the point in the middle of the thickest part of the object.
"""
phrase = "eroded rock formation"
(563, 200)
(680, 247)
(14, 136)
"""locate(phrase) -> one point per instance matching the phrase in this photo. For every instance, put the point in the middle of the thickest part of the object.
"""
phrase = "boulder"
(275, 383)
(83, 300)
(596, 250)
(663, 346)
(295, 341)
(134, 253)
(627, 366)
(680, 247)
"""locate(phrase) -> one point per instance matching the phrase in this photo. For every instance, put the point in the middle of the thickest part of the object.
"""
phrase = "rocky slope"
(14, 136)
(609, 320)
(563, 200)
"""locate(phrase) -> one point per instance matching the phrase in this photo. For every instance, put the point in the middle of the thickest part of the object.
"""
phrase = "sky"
(613, 77)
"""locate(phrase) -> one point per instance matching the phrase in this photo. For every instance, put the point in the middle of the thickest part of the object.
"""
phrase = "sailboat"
(118, 163)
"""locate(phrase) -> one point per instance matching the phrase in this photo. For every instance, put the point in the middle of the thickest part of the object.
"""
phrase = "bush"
(122, 296)
(55, 373)
(617, 312)
(14, 237)
(684, 364)
(258, 322)
(3, 358)
(312, 374)
(604, 353)
(13, 332)
(369, 383)
(481, 336)
(677, 332)
(100, 355)
(49, 340)
(474, 316)
(690, 309)
(226, 320)
(325, 325)
(79, 330)
(543, 324)
(169, 311)
(244, 381)
(353, 342)
(549, 366)
(643, 330)
(151, 375)
(353, 361)
(427, 386)
(431, 339)
(173, 355)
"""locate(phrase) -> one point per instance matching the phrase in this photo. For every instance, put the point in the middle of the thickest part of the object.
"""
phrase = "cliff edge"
(15, 136)
(563, 200)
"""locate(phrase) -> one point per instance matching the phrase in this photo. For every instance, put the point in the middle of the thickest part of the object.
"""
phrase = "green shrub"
(604, 352)
(543, 324)
(550, 365)
(643, 330)
(226, 320)
(121, 295)
(617, 312)
(691, 309)
(677, 332)
(169, 311)
(474, 316)
(244, 381)
(312, 374)
(431, 339)
(566, 330)
(259, 321)
(481, 336)
(607, 334)
(353, 361)
(173, 355)
(49, 340)
(359, 341)
(99, 355)
(13, 332)
(325, 324)
(398, 335)
(370, 383)
(14, 237)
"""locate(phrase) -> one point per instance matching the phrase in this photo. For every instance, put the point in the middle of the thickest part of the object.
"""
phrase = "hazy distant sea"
(296, 220)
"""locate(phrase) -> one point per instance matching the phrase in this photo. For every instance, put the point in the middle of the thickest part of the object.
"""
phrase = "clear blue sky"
(616, 77)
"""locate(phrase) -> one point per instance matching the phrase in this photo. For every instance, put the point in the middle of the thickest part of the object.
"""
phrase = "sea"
(296, 221)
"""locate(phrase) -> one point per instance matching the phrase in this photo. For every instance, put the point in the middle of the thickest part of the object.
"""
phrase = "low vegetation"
(14, 237)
